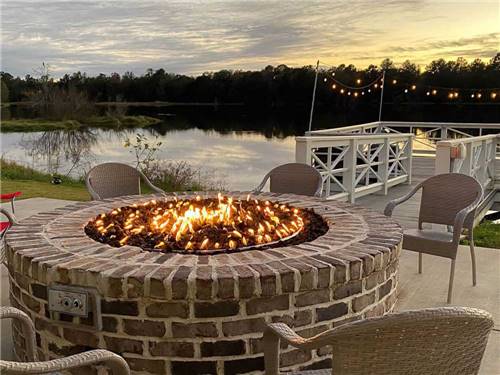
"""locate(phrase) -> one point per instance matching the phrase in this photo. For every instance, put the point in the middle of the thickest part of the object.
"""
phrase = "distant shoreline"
(147, 104)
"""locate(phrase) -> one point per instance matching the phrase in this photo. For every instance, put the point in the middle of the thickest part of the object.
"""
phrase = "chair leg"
(419, 262)
(271, 346)
(452, 275)
(472, 257)
(12, 205)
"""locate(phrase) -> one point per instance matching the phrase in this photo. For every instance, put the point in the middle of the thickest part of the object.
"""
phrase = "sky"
(192, 37)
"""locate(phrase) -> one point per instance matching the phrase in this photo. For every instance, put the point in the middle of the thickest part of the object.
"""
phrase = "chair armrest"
(27, 327)
(90, 189)
(259, 188)
(10, 216)
(389, 208)
(149, 184)
(284, 332)
(462, 215)
(116, 363)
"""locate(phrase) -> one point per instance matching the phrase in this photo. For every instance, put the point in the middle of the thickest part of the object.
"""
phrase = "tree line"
(272, 87)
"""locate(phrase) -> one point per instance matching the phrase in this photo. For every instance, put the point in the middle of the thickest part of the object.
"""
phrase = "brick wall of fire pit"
(187, 314)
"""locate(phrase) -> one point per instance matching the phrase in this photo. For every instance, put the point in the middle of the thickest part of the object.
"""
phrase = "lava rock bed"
(313, 226)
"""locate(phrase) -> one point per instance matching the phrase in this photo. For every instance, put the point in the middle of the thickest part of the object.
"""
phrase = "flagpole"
(381, 97)
(313, 96)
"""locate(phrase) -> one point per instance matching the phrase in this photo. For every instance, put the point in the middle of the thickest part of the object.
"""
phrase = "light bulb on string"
(394, 81)
(342, 91)
(472, 96)
(413, 87)
(375, 85)
(324, 80)
(358, 81)
(334, 86)
(434, 92)
(363, 93)
(333, 74)
(369, 90)
(406, 91)
(356, 94)
(493, 95)
(428, 93)
(479, 95)
(455, 94)
(349, 93)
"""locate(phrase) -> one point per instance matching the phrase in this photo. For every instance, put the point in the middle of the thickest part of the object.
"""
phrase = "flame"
(201, 223)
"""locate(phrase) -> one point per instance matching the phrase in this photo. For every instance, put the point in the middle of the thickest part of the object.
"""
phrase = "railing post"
(444, 133)
(408, 162)
(302, 151)
(349, 176)
(443, 158)
(384, 167)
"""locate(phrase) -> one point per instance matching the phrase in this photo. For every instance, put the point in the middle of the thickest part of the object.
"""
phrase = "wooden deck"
(406, 214)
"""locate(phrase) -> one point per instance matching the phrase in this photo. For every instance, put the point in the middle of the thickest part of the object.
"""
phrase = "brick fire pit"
(171, 313)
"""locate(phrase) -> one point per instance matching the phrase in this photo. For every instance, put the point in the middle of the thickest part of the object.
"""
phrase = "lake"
(231, 144)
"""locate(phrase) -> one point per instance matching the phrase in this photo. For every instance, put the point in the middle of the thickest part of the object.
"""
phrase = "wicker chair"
(295, 178)
(110, 180)
(437, 341)
(114, 362)
(449, 199)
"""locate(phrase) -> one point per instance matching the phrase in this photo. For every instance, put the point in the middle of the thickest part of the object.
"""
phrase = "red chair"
(10, 197)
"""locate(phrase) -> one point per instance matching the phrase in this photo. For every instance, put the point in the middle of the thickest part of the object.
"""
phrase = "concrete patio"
(416, 291)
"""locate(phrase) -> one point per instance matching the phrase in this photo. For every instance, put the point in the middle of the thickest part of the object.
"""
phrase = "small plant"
(144, 151)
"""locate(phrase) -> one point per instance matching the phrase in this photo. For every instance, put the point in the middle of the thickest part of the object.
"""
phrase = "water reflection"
(240, 158)
(71, 150)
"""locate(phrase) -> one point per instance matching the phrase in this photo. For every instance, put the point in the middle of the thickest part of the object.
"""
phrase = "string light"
(358, 89)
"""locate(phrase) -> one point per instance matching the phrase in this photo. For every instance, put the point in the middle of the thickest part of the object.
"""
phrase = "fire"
(200, 224)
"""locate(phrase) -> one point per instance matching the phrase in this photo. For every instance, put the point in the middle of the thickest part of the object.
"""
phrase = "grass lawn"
(34, 125)
(33, 189)
(487, 234)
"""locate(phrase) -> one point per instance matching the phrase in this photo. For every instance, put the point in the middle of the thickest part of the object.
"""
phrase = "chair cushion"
(4, 225)
(432, 235)
(324, 371)
(10, 195)
(428, 241)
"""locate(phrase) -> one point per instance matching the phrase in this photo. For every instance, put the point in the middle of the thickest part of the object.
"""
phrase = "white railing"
(426, 133)
(355, 165)
(475, 157)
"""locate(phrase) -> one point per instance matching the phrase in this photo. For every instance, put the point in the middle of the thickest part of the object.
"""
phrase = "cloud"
(193, 37)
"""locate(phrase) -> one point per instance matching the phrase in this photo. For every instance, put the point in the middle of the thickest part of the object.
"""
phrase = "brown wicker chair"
(437, 341)
(294, 178)
(110, 180)
(114, 362)
(449, 199)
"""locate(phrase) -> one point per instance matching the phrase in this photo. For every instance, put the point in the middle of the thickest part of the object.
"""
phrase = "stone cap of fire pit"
(52, 247)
